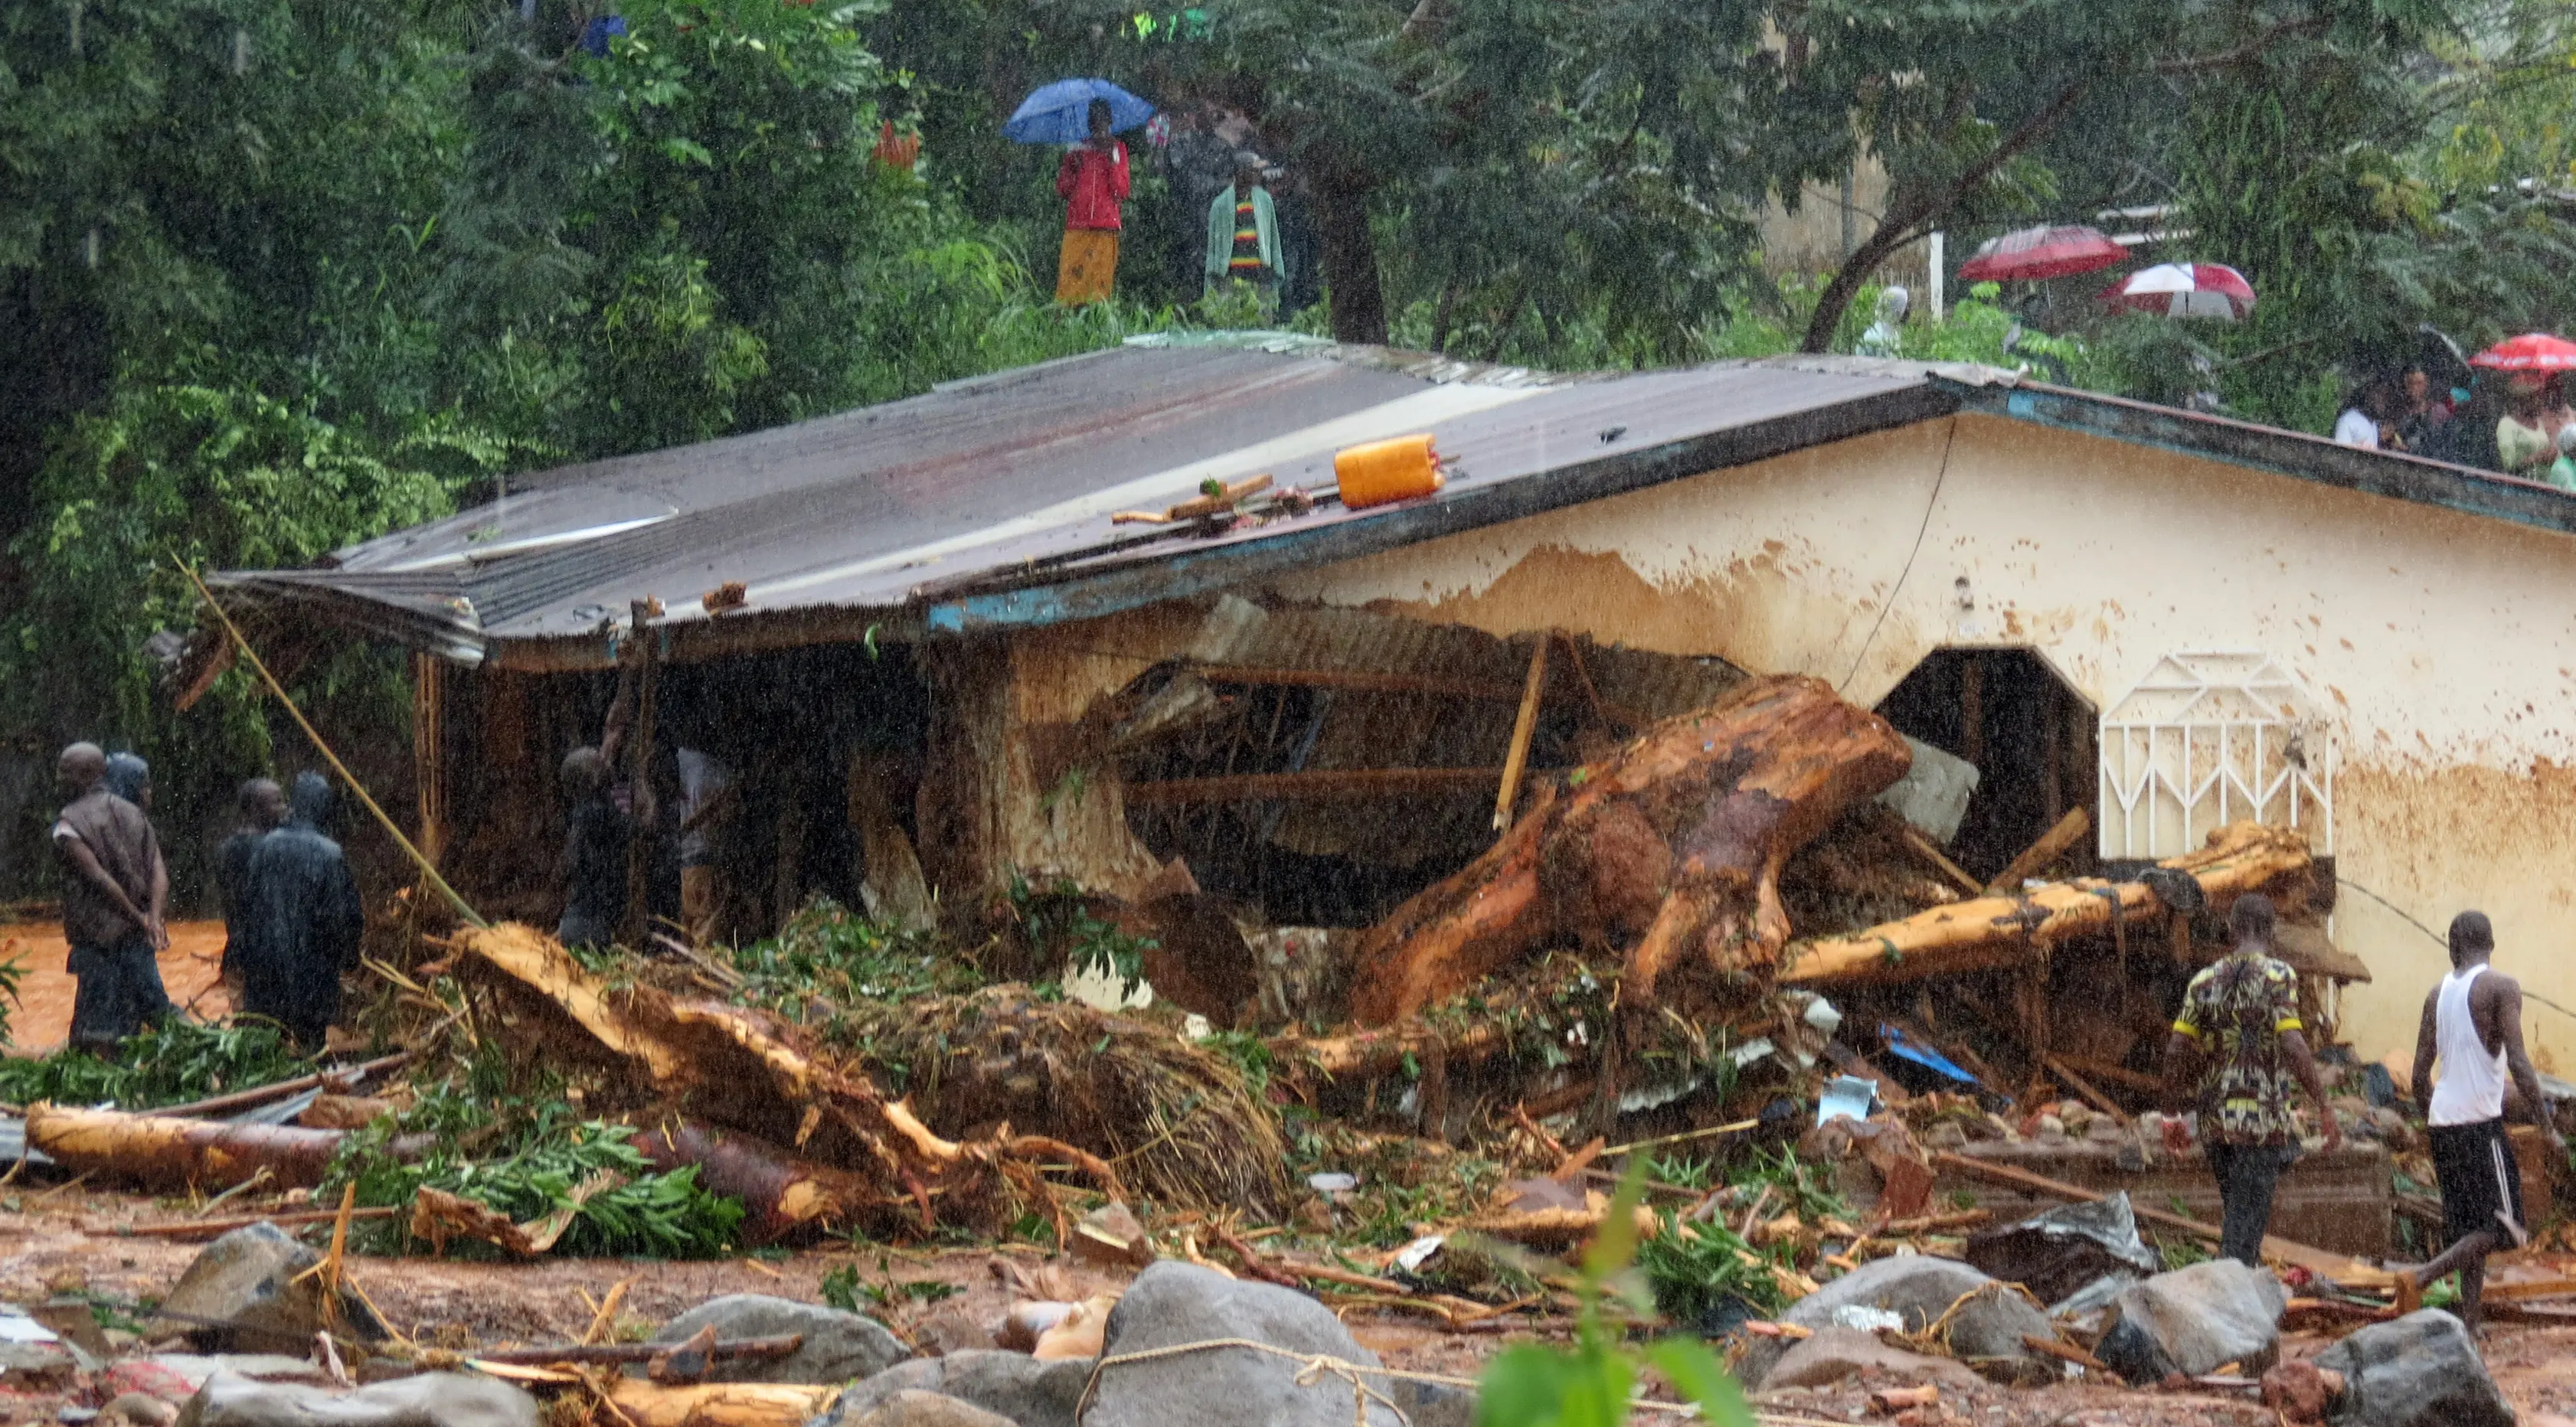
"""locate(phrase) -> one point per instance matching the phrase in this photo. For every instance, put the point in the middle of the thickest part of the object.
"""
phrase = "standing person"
(2420, 423)
(304, 919)
(130, 778)
(2236, 1045)
(593, 867)
(2524, 439)
(1093, 181)
(116, 889)
(706, 790)
(263, 811)
(2371, 422)
(1243, 234)
(2473, 1025)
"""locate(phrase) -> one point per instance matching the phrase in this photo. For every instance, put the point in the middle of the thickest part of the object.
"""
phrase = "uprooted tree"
(1676, 841)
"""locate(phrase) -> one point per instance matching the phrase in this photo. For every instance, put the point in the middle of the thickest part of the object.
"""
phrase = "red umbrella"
(2035, 253)
(2184, 290)
(2530, 352)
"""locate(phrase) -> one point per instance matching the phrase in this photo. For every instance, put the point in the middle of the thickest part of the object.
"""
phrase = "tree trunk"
(1350, 258)
(1917, 214)
(2007, 931)
(1677, 840)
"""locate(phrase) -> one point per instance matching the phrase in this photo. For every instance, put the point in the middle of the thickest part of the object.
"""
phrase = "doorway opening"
(2030, 736)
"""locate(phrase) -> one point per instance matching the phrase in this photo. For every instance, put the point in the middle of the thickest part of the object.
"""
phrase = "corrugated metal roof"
(1007, 483)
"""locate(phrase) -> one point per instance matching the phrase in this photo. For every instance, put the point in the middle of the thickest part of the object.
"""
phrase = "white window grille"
(2206, 739)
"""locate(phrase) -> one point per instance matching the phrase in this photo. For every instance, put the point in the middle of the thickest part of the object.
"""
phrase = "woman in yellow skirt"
(1092, 180)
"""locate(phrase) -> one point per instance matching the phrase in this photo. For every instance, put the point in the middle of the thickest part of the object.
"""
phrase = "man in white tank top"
(2473, 1024)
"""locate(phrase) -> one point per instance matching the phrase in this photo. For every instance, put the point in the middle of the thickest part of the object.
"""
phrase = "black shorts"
(2476, 1167)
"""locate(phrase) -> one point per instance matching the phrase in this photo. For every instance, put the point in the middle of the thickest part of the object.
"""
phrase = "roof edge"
(2269, 448)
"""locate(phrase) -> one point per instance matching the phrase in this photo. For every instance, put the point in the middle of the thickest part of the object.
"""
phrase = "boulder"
(2194, 1321)
(2418, 1371)
(915, 1408)
(37, 1366)
(1920, 1289)
(429, 1400)
(243, 1293)
(1834, 1354)
(1172, 1304)
(1429, 1404)
(839, 1347)
(1013, 1385)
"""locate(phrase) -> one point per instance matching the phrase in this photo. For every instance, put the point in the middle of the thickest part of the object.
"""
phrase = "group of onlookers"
(292, 915)
(2519, 423)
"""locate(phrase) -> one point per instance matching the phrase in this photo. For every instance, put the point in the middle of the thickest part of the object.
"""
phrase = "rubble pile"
(1712, 1007)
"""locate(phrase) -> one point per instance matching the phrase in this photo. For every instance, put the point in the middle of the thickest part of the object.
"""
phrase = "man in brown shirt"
(115, 890)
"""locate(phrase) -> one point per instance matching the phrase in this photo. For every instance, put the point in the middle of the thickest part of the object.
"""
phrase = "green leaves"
(1590, 1384)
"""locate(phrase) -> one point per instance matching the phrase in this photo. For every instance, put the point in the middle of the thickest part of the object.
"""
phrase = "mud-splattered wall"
(2442, 643)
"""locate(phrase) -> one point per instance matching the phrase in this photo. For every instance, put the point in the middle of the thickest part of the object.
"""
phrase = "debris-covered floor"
(1714, 1043)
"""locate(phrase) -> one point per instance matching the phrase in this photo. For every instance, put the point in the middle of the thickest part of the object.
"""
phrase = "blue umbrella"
(1060, 113)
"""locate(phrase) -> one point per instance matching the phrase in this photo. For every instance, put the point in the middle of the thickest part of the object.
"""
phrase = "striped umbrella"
(2184, 290)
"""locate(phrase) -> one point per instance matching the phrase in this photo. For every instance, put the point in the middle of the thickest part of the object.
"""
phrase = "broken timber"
(725, 1065)
(1676, 840)
(1992, 932)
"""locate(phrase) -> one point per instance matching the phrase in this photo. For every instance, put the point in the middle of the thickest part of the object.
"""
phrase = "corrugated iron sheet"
(1009, 482)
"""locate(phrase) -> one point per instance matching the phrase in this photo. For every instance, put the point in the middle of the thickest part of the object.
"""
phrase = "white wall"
(2443, 643)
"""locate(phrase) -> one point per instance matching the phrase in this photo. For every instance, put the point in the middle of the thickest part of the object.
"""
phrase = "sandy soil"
(42, 1019)
(69, 1241)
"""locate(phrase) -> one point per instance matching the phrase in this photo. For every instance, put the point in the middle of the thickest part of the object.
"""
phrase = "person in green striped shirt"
(1243, 234)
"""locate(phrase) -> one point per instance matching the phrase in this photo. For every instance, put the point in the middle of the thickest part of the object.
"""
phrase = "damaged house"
(1103, 621)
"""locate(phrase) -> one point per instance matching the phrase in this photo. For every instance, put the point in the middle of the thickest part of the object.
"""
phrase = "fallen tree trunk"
(159, 1152)
(1676, 841)
(1992, 932)
(782, 1196)
(731, 1067)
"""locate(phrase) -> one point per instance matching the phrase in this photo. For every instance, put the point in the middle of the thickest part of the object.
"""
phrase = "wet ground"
(42, 1019)
(68, 1241)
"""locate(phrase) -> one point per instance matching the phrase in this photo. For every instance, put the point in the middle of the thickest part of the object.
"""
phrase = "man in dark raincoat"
(300, 920)
(263, 811)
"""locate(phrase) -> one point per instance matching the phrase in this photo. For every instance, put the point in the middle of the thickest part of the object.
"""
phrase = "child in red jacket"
(1092, 180)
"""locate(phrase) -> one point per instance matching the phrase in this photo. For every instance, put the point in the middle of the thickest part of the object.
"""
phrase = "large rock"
(915, 1408)
(2196, 1320)
(1013, 1385)
(839, 1347)
(2419, 1371)
(1834, 1354)
(429, 1400)
(1919, 1289)
(243, 1294)
(1172, 1304)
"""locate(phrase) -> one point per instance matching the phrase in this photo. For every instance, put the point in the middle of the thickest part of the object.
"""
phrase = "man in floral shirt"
(2236, 1044)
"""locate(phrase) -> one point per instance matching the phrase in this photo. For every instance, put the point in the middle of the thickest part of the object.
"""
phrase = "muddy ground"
(67, 1241)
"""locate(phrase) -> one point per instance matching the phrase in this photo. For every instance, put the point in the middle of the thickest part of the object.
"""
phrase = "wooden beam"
(1524, 728)
(1325, 785)
(2035, 858)
(1926, 849)
(1374, 681)
(2092, 1093)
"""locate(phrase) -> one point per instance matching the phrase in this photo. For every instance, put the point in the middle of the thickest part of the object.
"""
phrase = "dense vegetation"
(276, 275)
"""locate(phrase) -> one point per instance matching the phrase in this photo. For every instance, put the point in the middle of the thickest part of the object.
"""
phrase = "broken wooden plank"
(2092, 1093)
(215, 1228)
(1925, 848)
(1375, 681)
(1322, 785)
(2036, 858)
(1524, 728)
